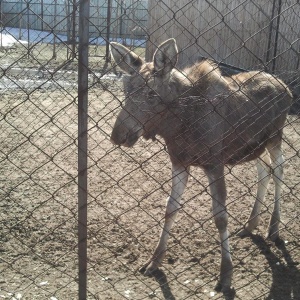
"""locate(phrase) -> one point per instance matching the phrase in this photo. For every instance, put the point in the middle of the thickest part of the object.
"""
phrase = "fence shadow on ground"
(288, 289)
(162, 280)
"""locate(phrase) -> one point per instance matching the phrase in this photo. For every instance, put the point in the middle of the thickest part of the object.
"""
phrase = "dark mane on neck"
(205, 70)
(205, 78)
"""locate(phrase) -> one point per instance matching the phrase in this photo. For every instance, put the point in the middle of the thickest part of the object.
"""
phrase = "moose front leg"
(264, 174)
(179, 180)
(277, 166)
(217, 187)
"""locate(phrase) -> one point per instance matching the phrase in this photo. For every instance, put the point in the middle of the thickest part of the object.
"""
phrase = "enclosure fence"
(80, 215)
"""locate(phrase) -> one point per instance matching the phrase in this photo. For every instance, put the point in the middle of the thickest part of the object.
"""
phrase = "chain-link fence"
(49, 93)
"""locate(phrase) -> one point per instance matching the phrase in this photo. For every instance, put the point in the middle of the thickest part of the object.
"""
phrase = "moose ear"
(165, 57)
(127, 60)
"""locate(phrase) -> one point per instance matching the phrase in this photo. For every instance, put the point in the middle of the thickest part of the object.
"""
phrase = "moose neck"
(198, 89)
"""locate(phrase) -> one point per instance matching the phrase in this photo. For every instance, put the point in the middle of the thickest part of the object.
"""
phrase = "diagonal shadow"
(161, 278)
(286, 278)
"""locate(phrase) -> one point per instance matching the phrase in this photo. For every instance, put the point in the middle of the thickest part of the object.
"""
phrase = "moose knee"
(221, 220)
(172, 207)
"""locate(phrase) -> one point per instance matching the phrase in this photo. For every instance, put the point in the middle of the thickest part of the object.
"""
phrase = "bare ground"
(127, 192)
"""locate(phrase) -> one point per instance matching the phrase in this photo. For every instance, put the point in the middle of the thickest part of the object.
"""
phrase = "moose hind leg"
(277, 166)
(179, 180)
(264, 174)
(218, 194)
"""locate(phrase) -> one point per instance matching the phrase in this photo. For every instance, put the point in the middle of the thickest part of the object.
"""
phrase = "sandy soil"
(127, 193)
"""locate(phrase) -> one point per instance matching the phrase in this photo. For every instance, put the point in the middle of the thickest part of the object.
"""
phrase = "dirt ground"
(127, 193)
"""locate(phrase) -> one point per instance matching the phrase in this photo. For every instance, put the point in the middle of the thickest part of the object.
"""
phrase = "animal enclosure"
(127, 188)
(247, 34)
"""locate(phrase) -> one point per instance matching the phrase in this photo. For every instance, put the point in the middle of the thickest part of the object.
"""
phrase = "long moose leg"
(264, 174)
(179, 181)
(218, 193)
(277, 166)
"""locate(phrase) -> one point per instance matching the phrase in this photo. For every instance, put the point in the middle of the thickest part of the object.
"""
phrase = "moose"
(206, 120)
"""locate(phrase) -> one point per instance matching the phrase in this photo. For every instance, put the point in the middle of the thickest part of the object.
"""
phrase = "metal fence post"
(82, 144)
(108, 30)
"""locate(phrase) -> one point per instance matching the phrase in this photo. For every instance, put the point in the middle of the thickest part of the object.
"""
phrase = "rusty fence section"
(79, 216)
(124, 21)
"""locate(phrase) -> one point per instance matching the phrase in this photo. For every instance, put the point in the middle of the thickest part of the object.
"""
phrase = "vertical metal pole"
(20, 21)
(54, 35)
(108, 19)
(28, 28)
(74, 29)
(42, 15)
(121, 22)
(276, 37)
(67, 8)
(1, 25)
(84, 7)
(268, 54)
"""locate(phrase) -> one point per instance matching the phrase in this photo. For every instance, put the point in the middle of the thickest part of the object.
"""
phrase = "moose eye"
(152, 94)
(152, 97)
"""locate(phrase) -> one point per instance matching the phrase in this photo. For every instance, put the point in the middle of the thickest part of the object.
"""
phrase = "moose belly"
(232, 151)
(239, 148)
(198, 154)
(245, 154)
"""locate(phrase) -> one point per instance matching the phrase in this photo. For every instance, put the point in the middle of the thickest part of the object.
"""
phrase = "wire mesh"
(127, 187)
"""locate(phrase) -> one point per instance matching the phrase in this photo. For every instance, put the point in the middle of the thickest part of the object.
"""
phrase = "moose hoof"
(273, 235)
(149, 268)
(243, 233)
(218, 287)
(228, 292)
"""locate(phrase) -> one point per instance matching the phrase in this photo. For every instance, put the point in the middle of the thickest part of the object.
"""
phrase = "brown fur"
(248, 111)
(206, 120)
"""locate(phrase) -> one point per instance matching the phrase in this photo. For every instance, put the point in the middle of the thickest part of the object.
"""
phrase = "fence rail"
(57, 95)
(127, 18)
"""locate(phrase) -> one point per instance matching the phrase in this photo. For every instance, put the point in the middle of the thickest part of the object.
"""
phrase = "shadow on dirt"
(286, 277)
(162, 280)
